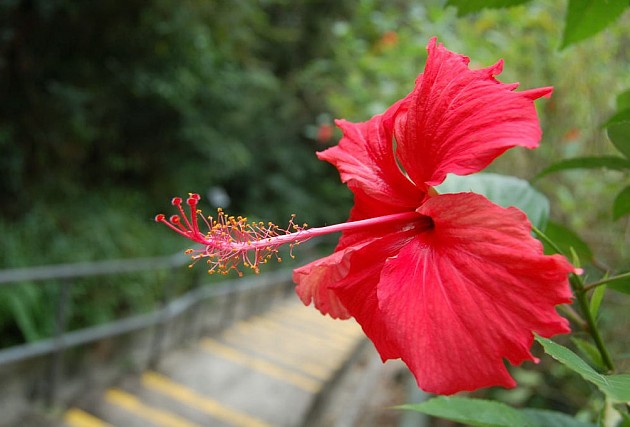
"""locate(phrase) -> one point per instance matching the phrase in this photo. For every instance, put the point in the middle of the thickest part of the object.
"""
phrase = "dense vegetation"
(109, 109)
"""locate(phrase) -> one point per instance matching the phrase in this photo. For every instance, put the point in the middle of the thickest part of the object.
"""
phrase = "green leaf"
(566, 239)
(609, 162)
(465, 7)
(486, 413)
(546, 418)
(474, 412)
(616, 387)
(621, 115)
(596, 300)
(619, 135)
(620, 285)
(623, 99)
(504, 191)
(621, 205)
(590, 351)
(586, 18)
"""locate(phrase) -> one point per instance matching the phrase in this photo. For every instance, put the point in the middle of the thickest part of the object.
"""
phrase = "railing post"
(56, 364)
(160, 328)
(195, 319)
(229, 309)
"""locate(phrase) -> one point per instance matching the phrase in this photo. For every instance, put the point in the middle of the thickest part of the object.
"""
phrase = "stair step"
(266, 371)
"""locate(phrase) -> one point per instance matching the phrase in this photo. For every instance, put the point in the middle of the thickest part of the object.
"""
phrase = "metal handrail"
(90, 269)
(129, 324)
(64, 275)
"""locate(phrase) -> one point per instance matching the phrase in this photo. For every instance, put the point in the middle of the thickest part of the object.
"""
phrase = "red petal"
(365, 160)
(461, 298)
(357, 291)
(313, 281)
(458, 120)
(344, 284)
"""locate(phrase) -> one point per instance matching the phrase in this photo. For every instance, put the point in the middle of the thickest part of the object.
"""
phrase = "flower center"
(233, 241)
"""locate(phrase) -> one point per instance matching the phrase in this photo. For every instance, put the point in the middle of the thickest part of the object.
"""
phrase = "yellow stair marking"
(181, 393)
(273, 330)
(157, 416)
(303, 382)
(288, 353)
(78, 418)
(335, 347)
(333, 343)
(319, 329)
(343, 328)
(311, 358)
(262, 327)
(269, 325)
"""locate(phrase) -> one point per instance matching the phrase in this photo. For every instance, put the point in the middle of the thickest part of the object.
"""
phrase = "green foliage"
(596, 300)
(615, 387)
(588, 17)
(132, 103)
(590, 352)
(619, 134)
(618, 126)
(161, 96)
(477, 412)
(608, 162)
(567, 241)
(465, 7)
(623, 101)
(621, 284)
(27, 310)
(486, 413)
(584, 18)
(621, 205)
(618, 130)
(503, 190)
(474, 412)
(545, 418)
(28, 306)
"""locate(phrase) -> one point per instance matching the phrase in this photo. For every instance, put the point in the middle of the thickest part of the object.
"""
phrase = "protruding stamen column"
(231, 241)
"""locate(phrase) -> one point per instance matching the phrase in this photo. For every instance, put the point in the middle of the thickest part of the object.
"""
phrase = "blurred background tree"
(108, 109)
(119, 105)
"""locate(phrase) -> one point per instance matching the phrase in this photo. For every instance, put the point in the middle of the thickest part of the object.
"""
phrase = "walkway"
(266, 371)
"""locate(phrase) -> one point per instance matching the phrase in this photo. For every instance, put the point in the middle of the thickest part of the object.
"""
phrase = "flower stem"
(573, 315)
(547, 240)
(606, 280)
(580, 294)
(579, 290)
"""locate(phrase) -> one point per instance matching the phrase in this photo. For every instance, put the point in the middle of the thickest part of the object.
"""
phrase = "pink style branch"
(452, 284)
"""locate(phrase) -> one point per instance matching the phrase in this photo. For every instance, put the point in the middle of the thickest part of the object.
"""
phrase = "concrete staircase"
(265, 371)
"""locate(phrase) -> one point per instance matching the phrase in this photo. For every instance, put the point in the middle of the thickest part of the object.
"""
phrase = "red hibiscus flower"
(452, 284)
(462, 287)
